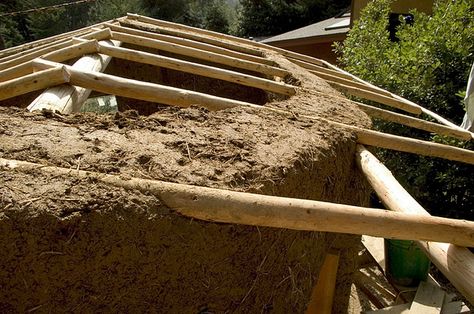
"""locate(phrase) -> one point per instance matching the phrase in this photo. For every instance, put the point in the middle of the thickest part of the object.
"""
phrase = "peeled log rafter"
(280, 212)
(208, 36)
(199, 54)
(32, 82)
(185, 42)
(389, 101)
(60, 55)
(456, 263)
(99, 35)
(196, 34)
(69, 98)
(428, 112)
(414, 122)
(198, 69)
(119, 86)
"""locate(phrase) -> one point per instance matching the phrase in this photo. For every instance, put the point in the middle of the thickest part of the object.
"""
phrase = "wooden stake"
(270, 211)
(456, 263)
(322, 296)
(199, 54)
(198, 69)
(32, 82)
(183, 41)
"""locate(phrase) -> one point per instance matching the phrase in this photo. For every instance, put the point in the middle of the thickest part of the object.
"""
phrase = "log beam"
(413, 122)
(98, 34)
(377, 97)
(119, 86)
(198, 69)
(456, 263)
(197, 34)
(261, 210)
(183, 41)
(69, 98)
(32, 82)
(199, 54)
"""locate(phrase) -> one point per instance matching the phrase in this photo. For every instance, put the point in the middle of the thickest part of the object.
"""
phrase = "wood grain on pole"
(261, 210)
(32, 82)
(183, 41)
(199, 54)
(198, 69)
(456, 263)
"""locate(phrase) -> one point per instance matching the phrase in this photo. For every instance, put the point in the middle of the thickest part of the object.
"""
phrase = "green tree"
(109, 9)
(429, 64)
(60, 20)
(272, 17)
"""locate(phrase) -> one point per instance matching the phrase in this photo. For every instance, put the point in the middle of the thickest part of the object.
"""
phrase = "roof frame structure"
(40, 65)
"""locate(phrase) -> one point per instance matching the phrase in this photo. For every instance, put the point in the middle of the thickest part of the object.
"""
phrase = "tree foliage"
(429, 64)
(272, 17)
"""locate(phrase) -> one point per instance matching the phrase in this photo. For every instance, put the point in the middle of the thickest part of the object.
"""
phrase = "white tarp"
(468, 121)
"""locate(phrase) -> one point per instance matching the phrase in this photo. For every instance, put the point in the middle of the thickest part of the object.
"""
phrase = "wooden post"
(198, 69)
(200, 54)
(68, 98)
(270, 211)
(456, 263)
(32, 82)
(322, 296)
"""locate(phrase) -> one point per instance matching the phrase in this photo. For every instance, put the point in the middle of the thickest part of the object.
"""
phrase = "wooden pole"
(199, 54)
(424, 110)
(413, 122)
(183, 30)
(183, 41)
(410, 145)
(456, 263)
(32, 82)
(198, 69)
(68, 98)
(110, 84)
(99, 35)
(16, 71)
(197, 34)
(270, 211)
(389, 101)
(322, 296)
(333, 79)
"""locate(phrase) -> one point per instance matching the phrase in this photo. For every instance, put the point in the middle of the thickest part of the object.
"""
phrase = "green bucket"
(405, 263)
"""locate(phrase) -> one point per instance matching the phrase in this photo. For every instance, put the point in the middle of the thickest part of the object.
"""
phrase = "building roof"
(333, 26)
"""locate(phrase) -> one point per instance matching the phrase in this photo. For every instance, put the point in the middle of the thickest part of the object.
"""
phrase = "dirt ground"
(81, 246)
